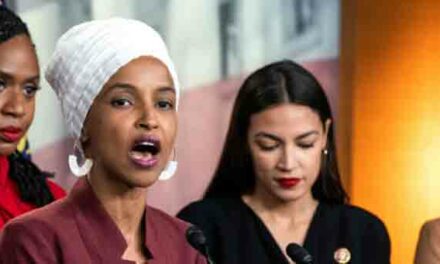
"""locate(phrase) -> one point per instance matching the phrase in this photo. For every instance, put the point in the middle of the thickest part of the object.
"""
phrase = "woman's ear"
(327, 125)
(84, 139)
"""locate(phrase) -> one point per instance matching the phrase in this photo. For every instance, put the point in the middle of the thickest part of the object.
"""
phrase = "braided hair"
(11, 25)
(31, 181)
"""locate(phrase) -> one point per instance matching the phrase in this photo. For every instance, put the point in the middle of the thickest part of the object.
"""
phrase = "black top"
(236, 234)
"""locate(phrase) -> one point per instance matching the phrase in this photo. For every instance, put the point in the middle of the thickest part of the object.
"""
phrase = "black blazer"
(236, 234)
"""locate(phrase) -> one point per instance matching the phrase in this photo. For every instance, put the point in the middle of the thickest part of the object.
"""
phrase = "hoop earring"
(170, 169)
(79, 170)
(75, 168)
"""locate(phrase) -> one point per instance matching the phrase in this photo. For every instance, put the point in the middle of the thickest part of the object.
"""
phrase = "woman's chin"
(7, 148)
(287, 196)
(142, 181)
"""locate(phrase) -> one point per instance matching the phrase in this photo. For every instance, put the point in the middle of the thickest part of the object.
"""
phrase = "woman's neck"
(287, 221)
(125, 205)
(268, 206)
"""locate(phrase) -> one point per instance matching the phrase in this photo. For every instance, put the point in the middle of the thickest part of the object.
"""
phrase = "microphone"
(197, 240)
(299, 254)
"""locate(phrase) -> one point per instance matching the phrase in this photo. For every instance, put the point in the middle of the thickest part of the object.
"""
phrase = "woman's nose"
(287, 160)
(148, 119)
(14, 102)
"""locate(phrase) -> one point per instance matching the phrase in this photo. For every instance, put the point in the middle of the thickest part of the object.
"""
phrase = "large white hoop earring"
(170, 169)
(75, 168)
(79, 170)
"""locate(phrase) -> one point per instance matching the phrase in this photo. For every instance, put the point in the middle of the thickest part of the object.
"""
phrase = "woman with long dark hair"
(23, 186)
(278, 182)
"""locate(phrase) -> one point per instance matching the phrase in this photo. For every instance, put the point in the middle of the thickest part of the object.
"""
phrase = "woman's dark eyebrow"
(127, 86)
(273, 137)
(267, 135)
(33, 79)
(9, 76)
(167, 89)
(5, 75)
(121, 86)
(118, 86)
(302, 136)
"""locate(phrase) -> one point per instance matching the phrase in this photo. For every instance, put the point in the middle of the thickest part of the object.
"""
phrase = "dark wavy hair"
(277, 83)
(31, 182)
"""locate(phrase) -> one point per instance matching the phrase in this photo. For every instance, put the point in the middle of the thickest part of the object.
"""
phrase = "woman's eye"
(2, 85)
(268, 146)
(121, 102)
(30, 90)
(166, 105)
(306, 145)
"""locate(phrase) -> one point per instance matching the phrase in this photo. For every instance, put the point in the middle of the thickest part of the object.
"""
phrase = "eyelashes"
(306, 145)
(272, 147)
(268, 148)
(164, 105)
(29, 90)
(121, 102)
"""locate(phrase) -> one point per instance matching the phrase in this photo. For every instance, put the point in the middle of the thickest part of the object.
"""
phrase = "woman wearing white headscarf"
(118, 90)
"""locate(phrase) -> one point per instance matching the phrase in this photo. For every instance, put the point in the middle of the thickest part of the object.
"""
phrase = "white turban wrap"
(86, 57)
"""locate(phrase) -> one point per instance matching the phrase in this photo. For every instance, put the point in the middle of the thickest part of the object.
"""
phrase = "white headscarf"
(86, 57)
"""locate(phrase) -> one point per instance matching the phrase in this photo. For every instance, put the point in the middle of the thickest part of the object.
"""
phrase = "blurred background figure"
(23, 186)
(428, 247)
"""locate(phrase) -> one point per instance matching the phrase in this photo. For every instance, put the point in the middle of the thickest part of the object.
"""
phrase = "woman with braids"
(278, 182)
(23, 186)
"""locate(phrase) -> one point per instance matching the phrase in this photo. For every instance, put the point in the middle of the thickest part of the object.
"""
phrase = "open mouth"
(144, 152)
(146, 147)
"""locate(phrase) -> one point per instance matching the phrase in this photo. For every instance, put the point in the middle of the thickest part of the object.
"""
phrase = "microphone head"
(298, 254)
(196, 239)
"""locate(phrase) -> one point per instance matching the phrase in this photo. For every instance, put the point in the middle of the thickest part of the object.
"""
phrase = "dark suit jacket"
(236, 234)
(428, 247)
(78, 230)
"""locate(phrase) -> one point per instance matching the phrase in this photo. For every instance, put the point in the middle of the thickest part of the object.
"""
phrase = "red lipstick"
(288, 183)
(11, 134)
